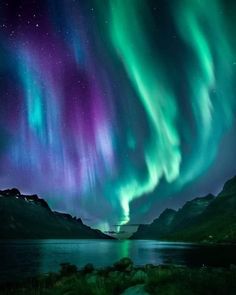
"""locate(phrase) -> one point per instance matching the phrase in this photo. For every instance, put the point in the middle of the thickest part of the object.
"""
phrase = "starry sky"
(113, 110)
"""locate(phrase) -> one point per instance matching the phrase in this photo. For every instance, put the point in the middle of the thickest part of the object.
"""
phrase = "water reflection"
(28, 258)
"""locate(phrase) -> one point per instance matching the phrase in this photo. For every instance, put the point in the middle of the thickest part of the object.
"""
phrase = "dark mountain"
(29, 217)
(190, 211)
(202, 219)
(217, 222)
(158, 227)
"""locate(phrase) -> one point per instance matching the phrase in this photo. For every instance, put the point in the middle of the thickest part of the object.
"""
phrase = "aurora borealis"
(111, 109)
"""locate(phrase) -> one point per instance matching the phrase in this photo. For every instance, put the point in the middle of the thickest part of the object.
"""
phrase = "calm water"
(19, 259)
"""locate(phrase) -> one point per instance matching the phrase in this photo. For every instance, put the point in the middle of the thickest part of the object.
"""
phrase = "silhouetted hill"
(158, 227)
(202, 219)
(29, 217)
(190, 211)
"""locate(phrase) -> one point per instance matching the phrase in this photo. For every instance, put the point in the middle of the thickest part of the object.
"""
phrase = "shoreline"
(123, 276)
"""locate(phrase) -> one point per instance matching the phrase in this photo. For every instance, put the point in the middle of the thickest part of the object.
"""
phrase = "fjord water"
(23, 258)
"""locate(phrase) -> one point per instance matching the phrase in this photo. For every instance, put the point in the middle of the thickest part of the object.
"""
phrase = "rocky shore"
(126, 279)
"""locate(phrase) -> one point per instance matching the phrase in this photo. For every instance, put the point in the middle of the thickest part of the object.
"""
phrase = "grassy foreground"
(123, 276)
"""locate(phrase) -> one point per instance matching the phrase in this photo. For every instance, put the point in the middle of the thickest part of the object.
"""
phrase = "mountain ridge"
(30, 217)
(204, 219)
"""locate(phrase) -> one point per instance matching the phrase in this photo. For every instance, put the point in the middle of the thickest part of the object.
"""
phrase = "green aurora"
(208, 76)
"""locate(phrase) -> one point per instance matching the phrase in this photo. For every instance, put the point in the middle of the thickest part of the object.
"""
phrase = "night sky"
(113, 110)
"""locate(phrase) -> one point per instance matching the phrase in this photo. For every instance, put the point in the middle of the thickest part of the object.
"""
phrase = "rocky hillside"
(202, 219)
(29, 217)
